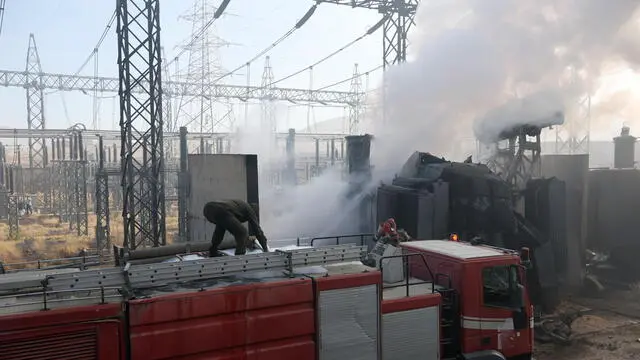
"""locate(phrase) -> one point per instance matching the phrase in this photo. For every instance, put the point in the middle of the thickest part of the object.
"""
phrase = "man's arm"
(255, 229)
(218, 236)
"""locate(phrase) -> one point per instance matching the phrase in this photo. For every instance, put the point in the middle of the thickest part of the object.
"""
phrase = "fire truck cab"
(485, 309)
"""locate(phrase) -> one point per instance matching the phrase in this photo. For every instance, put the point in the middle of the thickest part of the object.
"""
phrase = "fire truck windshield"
(502, 287)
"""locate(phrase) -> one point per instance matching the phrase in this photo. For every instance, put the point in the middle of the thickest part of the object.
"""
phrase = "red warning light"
(453, 237)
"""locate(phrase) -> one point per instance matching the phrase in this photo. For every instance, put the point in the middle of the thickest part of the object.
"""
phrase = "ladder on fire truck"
(449, 317)
(113, 284)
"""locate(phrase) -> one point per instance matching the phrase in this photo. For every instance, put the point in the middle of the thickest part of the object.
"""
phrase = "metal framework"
(103, 238)
(573, 137)
(115, 134)
(268, 115)
(399, 17)
(36, 120)
(355, 109)
(183, 189)
(519, 160)
(139, 66)
(202, 47)
(14, 216)
(35, 106)
(33, 293)
(64, 82)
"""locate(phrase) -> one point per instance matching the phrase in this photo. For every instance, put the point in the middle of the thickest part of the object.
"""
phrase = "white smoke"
(470, 56)
(542, 109)
(466, 58)
(312, 209)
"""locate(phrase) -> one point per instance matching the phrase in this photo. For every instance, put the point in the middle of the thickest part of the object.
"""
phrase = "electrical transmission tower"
(35, 117)
(268, 119)
(139, 66)
(399, 17)
(205, 115)
(573, 136)
(355, 110)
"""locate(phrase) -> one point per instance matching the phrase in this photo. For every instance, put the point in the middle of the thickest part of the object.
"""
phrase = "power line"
(95, 48)
(1, 14)
(351, 43)
(349, 79)
(98, 44)
(297, 26)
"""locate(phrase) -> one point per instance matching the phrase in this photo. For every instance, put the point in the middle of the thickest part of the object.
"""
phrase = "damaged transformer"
(432, 198)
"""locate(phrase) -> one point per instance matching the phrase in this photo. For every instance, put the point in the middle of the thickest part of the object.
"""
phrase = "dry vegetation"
(45, 237)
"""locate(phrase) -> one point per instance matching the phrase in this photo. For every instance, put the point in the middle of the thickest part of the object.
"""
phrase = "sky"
(67, 31)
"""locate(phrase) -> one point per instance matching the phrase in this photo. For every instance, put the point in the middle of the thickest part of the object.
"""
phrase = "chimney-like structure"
(359, 154)
(624, 150)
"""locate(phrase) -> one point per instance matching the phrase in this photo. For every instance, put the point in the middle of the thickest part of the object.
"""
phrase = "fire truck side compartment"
(407, 318)
(275, 319)
(348, 313)
(84, 332)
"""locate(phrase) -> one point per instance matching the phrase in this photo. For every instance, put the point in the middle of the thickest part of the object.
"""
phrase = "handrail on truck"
(337, 238)
(405, 260)
(45, 297)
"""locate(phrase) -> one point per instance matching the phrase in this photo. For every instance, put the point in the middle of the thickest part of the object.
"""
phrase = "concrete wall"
(573, 170)
(219, 177)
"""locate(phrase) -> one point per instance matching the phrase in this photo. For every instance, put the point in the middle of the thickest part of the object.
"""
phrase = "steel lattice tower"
(399, 14)
(355, 109)
(35, 115)
(268, 118)
(139, 65)
(573, 136)
(204, 68)
(170, 124)
(103, 237)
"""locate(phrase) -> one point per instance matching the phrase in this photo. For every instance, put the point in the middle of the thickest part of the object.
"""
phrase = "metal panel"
(276, 318)
(349, 323)
(71, 334)
(573, 170)
(411, 334)
(214, 177)
(80, 344)
(614, 203)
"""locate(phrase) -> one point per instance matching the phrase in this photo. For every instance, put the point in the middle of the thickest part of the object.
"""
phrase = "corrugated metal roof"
(454, 249)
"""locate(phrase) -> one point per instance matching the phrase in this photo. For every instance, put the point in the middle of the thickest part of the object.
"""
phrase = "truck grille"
(77, 345)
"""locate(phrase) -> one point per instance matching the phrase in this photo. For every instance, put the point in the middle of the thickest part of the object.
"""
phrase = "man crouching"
(229, 215)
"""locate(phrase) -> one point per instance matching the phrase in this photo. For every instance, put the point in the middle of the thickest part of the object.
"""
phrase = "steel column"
(103, 238)
(183, 189)
(139, 65)
(13, 216)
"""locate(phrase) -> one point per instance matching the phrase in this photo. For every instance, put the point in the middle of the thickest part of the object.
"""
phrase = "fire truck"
(433, 299)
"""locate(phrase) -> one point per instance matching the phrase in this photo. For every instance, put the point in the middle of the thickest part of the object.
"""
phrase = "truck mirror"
(516, 289)
(518, 299)
(525, 256)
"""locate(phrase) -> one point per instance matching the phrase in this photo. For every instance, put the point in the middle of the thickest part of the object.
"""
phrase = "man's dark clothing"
(229, 215)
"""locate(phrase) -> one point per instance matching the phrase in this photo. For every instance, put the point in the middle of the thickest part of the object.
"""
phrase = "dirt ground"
(608, 329)
(45, 237)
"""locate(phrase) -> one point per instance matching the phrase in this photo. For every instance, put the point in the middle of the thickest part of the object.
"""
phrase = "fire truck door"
(504, 320)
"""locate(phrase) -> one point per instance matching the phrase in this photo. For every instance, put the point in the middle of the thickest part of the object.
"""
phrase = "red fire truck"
(447, 300)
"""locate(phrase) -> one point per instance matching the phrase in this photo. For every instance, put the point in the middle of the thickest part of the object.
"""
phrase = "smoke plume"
(468, 57)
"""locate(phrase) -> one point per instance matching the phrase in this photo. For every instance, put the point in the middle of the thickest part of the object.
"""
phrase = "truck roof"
(454, 249)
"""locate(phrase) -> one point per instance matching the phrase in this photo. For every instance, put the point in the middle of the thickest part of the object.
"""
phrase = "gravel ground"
(618, 343)
(609, 330)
